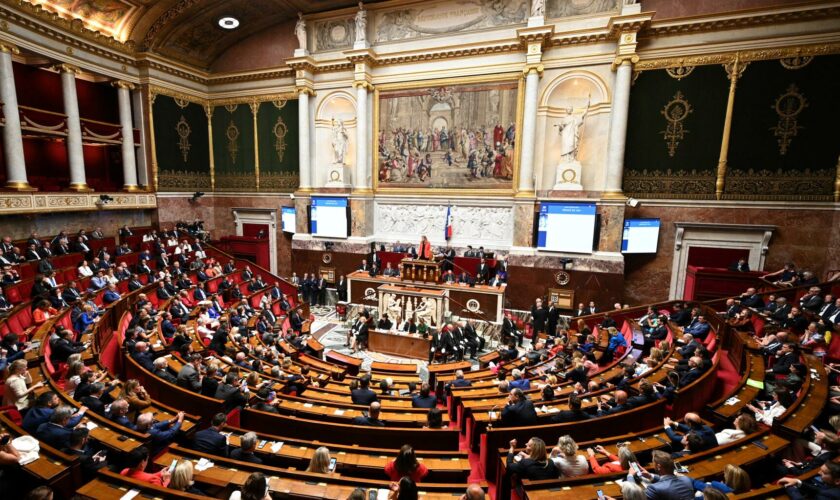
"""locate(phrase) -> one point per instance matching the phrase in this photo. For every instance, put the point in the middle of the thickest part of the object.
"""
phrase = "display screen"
(640, 236)
(328, 217)
(566, 227)
(288, 219)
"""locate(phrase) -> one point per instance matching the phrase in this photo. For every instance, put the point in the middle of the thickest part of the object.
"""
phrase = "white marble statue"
(361, 24)
(339, 141)
(538, 8)
(300, 31)
(630, 2)
(570, 131)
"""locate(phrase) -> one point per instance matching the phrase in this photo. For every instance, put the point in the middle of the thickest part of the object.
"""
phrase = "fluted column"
(12, 138)
(360, 178)
(304, 158)
(126, 124)
(75, 153)
(527, 143)
(733, 71)
(617, 138)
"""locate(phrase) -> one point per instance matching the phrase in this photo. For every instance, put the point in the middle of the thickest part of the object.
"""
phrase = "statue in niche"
(538, 8)
(300, 31)
(361, 24)
(339, 142)
(570, 131)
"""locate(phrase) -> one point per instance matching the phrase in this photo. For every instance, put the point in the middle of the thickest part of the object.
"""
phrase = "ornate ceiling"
(184, 30)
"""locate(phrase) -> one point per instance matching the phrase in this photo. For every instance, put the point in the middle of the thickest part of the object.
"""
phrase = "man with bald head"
(619, 406)
(372, 417)
(142, 355)
(750, 298)
(474, 492)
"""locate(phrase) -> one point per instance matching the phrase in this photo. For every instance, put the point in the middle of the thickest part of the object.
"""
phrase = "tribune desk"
(399, 344)
(481, 302)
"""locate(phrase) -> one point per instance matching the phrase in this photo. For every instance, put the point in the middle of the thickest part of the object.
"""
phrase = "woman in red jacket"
(616, 463)
(43, 312)
(406, 464)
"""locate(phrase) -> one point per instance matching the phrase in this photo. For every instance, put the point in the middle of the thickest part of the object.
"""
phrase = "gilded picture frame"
(514, 80)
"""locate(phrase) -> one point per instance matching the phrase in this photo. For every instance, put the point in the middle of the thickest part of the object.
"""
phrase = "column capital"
(67, 68)
(122, 84)
(305, 89)
(255, 107)
(539, 34)
(9, 47)
(619, 60)
(537, 68)
(366, 56)
(364, 84)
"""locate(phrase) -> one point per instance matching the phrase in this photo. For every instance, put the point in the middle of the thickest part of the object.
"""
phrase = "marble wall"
(806, 236)
(20, 226)
(668, 9)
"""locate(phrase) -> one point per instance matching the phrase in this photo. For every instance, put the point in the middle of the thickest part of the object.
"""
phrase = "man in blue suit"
(424, 399)
(211, 440)
(111, 294)
(43, 411)
(698, 329)
(664, 484)
(57, 432)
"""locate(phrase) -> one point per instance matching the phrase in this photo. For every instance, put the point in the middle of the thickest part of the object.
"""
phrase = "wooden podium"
(423, 271)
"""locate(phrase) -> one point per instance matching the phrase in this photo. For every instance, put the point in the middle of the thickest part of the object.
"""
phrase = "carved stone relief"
(566, 8)
(472, 225)
(334, 34)
(444, 18)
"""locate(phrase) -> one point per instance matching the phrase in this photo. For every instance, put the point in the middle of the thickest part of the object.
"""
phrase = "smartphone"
(262, 443)
(172, 465)
(5, 440)
(332, 464)
(814, 428)
(600, 494)
(636, 468)
(372, 494)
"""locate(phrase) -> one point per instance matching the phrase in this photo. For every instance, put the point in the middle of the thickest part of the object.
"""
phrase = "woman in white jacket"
(744, 425)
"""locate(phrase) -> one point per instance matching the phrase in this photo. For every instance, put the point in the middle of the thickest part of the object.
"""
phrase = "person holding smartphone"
(664, 484)
(91, 461)
(321, 462)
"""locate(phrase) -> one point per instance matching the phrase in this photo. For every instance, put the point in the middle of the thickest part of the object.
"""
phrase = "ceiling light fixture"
(229, 23)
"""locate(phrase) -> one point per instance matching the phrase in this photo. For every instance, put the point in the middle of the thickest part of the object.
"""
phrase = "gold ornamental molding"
(469, 51)
(305, 90)
(8, 47)
(34, 202)
(122, 84)
(252, 100)
(157, 90)
(539, 68)
(743, 56)
(367, 56)
(748, 18)
(251, 76)
(535, 34)
(67, 68)
(629, 23)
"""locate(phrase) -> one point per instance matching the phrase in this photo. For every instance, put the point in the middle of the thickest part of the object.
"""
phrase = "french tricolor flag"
(447, 229)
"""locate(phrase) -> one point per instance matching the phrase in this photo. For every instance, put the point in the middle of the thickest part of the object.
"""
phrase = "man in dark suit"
(620, 405)
(211, 440)
(519, 410)
(591, 309)
(811, 301)
(509, 331)
(111, 294)
(341, 289)
(482, 273)
(826, 487)
(664, 484)
(372, 417)
(580, 311)
(56, 432)
(448, 263)
(89, 461)
(785, 357)
(424, 399)
(43, 410)
(552, 318)
(93, 401)
(142, 355)
(363, 395)
(698, 329)
(465, 278)
(189, 376)
(680, 315)
(247, 447)
(539, 314)
(695, 369)
(472, 340)
(573, 414)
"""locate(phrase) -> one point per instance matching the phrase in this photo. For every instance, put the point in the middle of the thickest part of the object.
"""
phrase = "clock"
(326, 258)
(562, 278)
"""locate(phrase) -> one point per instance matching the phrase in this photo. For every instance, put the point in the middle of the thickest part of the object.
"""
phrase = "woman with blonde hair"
(735, 481)
(181, 478)
(565, 457)
(533, 463)
(320, 462)
(137, 397)
(617, 463)
(19, 385)
(744, 425)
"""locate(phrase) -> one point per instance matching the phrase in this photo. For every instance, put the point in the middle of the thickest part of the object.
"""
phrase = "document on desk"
(131, 494)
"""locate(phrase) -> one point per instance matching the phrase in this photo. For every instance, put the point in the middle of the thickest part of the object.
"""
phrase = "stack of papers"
(732, 401)
(275, 447)
(131, 494)
(203, 465)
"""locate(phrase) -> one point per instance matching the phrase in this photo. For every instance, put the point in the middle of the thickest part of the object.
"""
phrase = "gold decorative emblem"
(232, 134)
(473, 306)
(675, 112)
(562, 278)
(326, 258)
(679, 72)
(280, 130)
(184, 131)
(182, 103)
(788, 106)
(795, 62)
